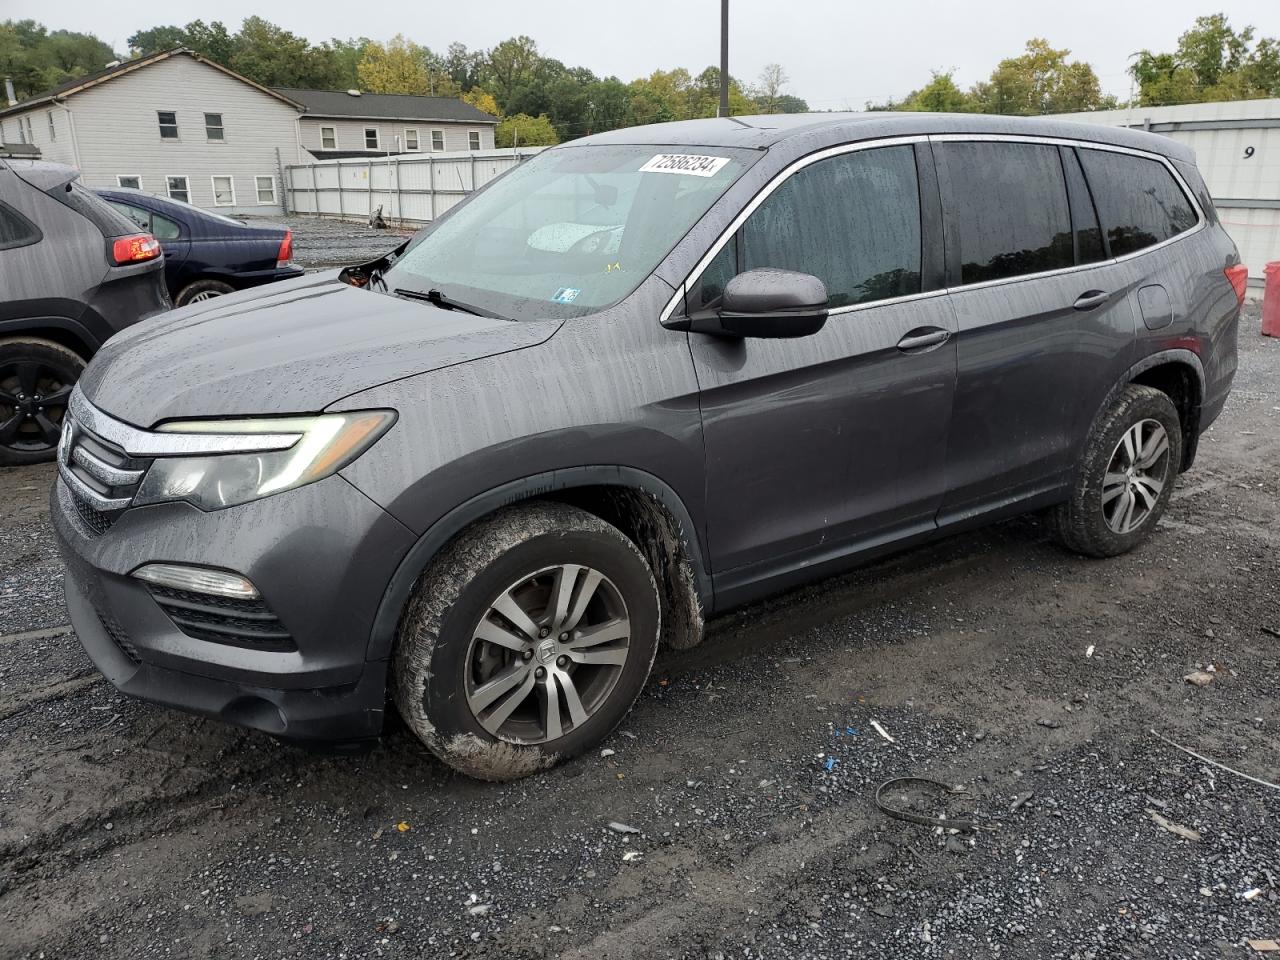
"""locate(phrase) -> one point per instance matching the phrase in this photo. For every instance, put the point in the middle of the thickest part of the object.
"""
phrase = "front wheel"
(1126, 475)
(526, 641)
(36, 378)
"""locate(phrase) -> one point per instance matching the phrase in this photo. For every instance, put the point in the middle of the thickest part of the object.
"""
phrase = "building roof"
(20, 151)
(74, 86)
(385, 106)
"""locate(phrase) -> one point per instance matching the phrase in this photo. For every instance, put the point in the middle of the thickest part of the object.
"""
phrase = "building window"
(129, 182)
(371, 138)
(22, 132)
(31, 134)
(224, 192)
(328, 138)
(473, 139)
(168, 124)
(213, 126)
(411, 140)
(53, 129)
(437, 140)
(178, 189)
(266, 189)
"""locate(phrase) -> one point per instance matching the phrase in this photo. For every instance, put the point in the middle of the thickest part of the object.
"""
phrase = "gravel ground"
(748, 768)
(320, 243)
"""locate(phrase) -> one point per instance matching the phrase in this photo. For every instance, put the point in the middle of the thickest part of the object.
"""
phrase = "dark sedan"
(205, 253)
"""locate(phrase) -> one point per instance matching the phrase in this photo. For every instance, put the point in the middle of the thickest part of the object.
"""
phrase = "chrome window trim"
(146, 444)
(797, 165)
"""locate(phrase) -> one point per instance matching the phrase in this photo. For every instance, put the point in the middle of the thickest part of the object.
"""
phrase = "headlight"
(323, 446)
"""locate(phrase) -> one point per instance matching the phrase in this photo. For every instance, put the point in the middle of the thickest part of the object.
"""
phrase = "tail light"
(134, 249)
(1238, 277)
(286, 250)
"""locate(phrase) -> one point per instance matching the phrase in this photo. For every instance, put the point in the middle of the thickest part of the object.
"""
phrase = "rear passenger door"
(816, 444)
(1046, 326)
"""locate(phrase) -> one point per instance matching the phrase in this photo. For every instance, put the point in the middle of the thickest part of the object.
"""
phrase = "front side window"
(213, 126)
(1008, 205)
(371, 138)
(129, 182)
(266, 189)
(437, 140)
(328, 138)
(178, 189)
(224, 192)
(15, 229)
(852, 221)
(411, 139)
(473, 139)
(1139, 202)
(569, 232)
(168, 124)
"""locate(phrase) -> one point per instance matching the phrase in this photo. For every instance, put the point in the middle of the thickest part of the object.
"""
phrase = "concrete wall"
(350, 134)
(1244, 182)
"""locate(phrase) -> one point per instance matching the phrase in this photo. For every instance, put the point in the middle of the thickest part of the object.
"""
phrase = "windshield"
(570, 231)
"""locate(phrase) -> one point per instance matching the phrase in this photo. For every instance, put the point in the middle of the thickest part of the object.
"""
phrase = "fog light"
(198, 580)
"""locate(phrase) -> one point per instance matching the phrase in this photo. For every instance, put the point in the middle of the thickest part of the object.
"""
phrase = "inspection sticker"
(685, 163)
(566, 295)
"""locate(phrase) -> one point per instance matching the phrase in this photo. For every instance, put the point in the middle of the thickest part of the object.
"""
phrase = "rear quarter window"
(1139, 201)
(110, 222)
(15, 229)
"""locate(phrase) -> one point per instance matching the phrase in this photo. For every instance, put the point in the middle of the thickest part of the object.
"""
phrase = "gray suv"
(643, 378)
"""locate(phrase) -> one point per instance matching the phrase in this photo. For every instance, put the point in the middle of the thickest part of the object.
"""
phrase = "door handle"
(1090, 299)
(922, 338)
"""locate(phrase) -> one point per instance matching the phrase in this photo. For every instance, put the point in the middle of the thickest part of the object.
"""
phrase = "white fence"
(411, 189)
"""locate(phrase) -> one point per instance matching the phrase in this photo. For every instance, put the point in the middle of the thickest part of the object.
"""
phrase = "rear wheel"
(1126, 475)
(36, 377)
(201, 290)
(526, 641)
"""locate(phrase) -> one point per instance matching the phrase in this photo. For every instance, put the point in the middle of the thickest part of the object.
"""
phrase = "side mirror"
(767, 302)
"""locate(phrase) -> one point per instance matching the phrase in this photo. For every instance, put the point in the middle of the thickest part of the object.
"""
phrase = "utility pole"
(724, 58)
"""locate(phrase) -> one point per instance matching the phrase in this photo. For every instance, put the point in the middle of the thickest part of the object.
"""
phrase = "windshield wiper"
(438, 299)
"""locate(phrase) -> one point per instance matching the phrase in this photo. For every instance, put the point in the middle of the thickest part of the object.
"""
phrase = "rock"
(1199, 678)
(617, 827)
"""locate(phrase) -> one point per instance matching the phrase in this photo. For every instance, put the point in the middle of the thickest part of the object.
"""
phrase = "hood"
(292, 347)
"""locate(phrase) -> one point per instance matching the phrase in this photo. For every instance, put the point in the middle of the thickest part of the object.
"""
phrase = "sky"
(838, 54)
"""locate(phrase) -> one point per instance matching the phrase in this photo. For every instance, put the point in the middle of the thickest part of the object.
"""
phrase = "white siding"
(56, 144)
(350, 134)
(118, 132)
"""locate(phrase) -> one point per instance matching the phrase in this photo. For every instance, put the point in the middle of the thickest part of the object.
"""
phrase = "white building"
(1237, 147)
(177, 124)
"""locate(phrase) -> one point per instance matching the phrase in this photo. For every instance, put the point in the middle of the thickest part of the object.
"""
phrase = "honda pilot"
(639, 380)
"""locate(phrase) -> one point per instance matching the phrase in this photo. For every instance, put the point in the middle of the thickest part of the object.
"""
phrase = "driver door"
(824, 444)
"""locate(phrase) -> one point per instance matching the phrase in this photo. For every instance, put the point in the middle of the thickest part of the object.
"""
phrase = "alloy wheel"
(547, 653)
(33, 401)
(204, 295)
(1135, 477)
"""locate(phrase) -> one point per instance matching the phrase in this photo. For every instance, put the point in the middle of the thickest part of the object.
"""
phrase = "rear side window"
(1138, 200)
(852, 220)
(1007, 206)
(111, 222)
(1084, 216)
(15, 229)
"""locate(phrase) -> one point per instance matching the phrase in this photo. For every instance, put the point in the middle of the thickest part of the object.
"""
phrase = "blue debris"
(831, 764)
(850, 731)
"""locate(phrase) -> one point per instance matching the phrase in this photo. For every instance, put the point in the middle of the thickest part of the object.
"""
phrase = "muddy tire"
(201, 290)
(526, 641)
(1126, 476)
(36, 377)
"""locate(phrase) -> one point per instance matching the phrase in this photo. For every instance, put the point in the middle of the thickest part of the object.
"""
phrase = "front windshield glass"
(570, 231)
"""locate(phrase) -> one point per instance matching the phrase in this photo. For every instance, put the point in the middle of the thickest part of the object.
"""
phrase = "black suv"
(642, 378)
(73, 271)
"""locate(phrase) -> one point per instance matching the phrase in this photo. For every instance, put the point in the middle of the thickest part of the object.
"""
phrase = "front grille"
(242, 623)
(117, 634)
(100, 476)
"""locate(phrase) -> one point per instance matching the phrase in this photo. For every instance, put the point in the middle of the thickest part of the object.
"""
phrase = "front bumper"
(321, 556)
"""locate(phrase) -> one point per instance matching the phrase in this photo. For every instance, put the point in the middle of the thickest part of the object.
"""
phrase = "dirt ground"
(994, 660)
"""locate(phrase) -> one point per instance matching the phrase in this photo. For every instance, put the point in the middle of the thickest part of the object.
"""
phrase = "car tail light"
(134, 249)
(1238, 277)
(286, 250)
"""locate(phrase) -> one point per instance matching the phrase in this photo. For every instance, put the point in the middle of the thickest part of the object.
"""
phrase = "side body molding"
(382, 637)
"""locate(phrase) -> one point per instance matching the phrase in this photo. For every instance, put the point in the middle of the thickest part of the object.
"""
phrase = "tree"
(464, 66)
(939, 95)
(38, 59)
(481, 101)
(768, 93)
(344, 57)
(396, 67)
(511, 65)
(523, 130)
(1040, 81)
(274, 57)
(1213, 61)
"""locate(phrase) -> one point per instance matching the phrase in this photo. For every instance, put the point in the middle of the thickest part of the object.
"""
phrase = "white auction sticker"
(685, 163)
